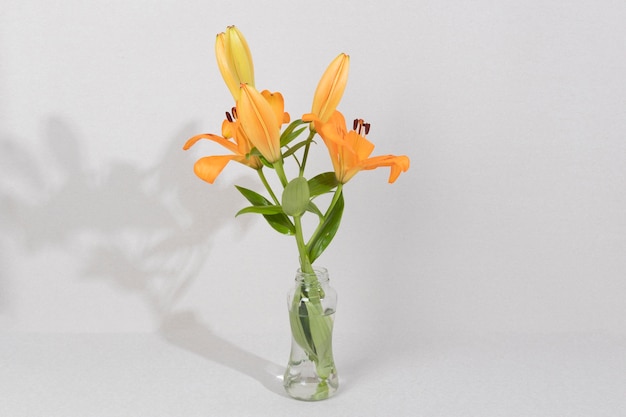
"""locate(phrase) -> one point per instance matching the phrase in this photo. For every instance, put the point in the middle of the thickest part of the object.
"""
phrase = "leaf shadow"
(147, 230)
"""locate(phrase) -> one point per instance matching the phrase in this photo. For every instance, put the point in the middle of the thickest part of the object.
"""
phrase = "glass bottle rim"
(320, 272)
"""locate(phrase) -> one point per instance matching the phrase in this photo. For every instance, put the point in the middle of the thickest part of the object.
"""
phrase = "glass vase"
(311, 373)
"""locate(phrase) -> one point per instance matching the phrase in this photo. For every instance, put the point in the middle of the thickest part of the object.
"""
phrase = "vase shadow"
(185, 330)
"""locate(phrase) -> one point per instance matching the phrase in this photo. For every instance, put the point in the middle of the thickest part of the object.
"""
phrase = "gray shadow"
(18, 175)
(5, 306)
(144, 230)
(185, 330)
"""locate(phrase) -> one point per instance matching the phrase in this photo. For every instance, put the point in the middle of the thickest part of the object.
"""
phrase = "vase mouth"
(320, 273)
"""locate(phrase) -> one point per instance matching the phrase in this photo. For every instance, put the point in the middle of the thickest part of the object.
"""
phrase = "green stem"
(306, 150)
(280, 171)
(267, 186)
(305, 264)
(336, 196)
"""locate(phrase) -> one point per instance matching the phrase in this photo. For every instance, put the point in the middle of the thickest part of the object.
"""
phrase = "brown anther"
(360, 126)
(229, 117)
(234, 112)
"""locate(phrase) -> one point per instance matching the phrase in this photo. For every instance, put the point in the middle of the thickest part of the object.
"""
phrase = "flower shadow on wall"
(139, 229)
(134, 227)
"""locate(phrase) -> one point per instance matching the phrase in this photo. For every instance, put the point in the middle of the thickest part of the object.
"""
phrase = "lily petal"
(331, 87)
(221, 53)
(278, 105)
(222, 141)
(209, 167)
(358, 144)
(259, 122)
(334, 129)
(240, 56)
(398, 164)
(349, 151)
(234, 60)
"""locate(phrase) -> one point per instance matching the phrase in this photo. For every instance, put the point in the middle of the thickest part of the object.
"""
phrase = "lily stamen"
(229, 117)
(360, 127)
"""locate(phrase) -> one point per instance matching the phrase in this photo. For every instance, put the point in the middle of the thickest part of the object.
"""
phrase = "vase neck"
(320, 275)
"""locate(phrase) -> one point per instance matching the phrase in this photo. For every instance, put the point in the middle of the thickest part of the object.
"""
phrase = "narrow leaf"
(314, 209)
(322, 239)
(293, 135)
(288, 134)
(260, 210)
(321, 327)
(300, 329)
(294, 148)
(279, 222)
(253, 197)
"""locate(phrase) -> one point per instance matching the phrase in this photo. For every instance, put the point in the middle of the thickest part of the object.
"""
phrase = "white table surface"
(188, 370)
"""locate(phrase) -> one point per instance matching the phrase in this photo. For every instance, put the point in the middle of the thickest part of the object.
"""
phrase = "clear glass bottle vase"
(311, 373)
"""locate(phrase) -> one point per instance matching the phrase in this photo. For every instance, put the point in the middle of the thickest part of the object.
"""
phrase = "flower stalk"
(267, 186)
(305, 264)
(280, 172)
(305, 155)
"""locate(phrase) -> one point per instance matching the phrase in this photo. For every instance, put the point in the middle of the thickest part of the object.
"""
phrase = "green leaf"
(266, 162)
(298, 319)
(294, 148)
(253, 197)
(288, 134)
(260, 210)
(326, 233)
(314, 209)
(279, 222)
(296, 197)
(321, 328)
(322, 183)
(292, 136)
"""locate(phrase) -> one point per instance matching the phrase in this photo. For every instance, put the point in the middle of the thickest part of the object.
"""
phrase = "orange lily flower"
(349, 150)
(330, 89)
(261, 116)
(234, 139)
(234, 60)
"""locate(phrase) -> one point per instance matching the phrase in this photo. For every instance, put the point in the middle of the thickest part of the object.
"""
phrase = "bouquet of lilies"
(254, 136)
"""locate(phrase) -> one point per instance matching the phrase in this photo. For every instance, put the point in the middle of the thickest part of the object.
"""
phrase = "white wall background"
(511, 218)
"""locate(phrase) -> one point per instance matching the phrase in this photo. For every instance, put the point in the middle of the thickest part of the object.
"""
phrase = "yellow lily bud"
(331, 87)
(234, 60)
